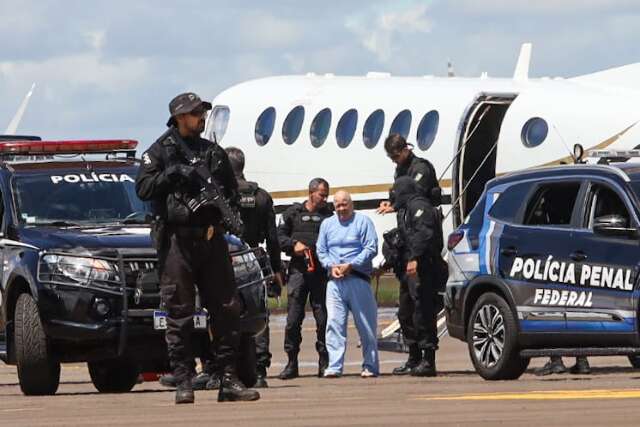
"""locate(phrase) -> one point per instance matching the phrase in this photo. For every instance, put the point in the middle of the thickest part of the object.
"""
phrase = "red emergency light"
(66, 147)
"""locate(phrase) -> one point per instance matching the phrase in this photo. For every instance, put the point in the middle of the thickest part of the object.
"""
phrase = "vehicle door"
(609, 249)
(535, 252)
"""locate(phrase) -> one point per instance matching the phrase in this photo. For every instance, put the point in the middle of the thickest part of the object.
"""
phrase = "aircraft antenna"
(13, 125)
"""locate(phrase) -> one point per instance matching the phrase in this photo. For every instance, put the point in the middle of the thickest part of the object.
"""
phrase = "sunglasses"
(198, 113)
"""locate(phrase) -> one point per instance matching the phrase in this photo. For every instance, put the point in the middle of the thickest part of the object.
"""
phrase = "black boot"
(232, 390)
(414, 359)
(323, 363)
(167, 380)
(261, 378)
(199, 382)
(291, 370)
(184, 392)
(427, 366)
(553, 366)
(214, 382)
(581, 367)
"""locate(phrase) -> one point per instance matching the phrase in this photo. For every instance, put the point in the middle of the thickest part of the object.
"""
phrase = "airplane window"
(264, 125)
(373, 128)
(427, 129)
(534, 132)
(218, 121)
(320, 127)
(346, 128)
(292, 125)
(401, 124)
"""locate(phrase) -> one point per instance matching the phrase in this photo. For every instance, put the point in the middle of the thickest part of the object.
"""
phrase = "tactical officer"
(191, 244)
(408, 164)
(298, 232)
(422, 273)
(259, 218)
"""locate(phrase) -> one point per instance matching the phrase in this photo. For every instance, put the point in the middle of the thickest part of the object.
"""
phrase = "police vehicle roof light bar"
(609, 154)
(67, 147)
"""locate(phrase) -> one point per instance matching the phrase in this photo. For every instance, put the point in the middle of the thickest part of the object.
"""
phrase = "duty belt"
(195, 232)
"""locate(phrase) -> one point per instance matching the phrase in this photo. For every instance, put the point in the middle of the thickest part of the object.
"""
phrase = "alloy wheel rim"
(488, 335)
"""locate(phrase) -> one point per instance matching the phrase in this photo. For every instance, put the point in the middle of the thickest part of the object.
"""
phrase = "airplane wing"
(13, 125)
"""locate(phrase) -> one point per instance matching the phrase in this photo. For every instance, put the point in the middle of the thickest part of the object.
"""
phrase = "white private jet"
(294, 128)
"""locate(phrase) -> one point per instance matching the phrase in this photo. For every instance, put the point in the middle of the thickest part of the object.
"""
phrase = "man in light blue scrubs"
(346, 245)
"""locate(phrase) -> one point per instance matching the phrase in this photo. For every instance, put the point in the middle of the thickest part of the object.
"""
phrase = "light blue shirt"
(350, 242)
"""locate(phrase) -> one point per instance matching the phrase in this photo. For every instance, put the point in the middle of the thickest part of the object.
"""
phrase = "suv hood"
(97, 237)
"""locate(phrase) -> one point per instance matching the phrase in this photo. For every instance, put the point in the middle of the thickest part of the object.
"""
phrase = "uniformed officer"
(298, 232)
(259, 218)
(423, 277)
(191, 244)
(408, 164)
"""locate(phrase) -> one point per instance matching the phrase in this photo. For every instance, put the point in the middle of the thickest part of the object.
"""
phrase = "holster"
(158, 234)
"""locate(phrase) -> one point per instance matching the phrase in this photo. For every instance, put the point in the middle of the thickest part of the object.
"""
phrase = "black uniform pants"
(263, 356)
(186, 262)
(419, 307)
(300, 287)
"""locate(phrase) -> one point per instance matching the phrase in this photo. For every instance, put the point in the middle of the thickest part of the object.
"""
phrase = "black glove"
(274, 290)
(180, 171)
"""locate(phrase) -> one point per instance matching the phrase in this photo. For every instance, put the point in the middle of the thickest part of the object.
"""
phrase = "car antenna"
(571, 153)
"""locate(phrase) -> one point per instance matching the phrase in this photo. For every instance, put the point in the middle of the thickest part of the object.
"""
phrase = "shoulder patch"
(146, 159)
(419, 213)
(418, 177)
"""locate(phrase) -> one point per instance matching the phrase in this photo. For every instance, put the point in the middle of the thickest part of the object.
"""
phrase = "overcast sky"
(109, 68)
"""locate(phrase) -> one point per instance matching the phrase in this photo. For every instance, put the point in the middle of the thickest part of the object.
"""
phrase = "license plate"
(160, 320)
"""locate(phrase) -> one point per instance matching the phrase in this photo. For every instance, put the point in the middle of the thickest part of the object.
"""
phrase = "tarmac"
(457, 396)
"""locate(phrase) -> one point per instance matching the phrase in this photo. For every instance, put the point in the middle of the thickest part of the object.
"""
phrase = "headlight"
(72, 269)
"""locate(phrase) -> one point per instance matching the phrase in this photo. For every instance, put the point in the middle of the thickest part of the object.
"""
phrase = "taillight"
(454, 239)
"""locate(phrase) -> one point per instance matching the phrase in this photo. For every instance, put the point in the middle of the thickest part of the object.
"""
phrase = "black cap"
(185, 103)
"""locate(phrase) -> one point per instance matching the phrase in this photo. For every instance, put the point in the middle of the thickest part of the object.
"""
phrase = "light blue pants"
(344, 295)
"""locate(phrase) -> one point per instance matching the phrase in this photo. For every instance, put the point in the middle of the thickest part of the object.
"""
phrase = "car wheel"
(246, 361)
(113, 375)
(38, 372)
(492, 339)
(634, 359)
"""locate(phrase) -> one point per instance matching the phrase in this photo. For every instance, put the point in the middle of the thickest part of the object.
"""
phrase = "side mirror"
(614, 225)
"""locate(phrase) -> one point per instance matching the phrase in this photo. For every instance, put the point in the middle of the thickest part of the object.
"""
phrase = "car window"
(552, 204)
(510, 202)
(605, 201)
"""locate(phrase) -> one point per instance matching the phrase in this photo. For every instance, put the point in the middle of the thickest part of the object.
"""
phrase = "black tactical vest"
(306, 225)
(253, 233)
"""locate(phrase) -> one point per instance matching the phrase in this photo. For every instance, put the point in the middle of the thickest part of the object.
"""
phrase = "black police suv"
(547, 264)
(79, 279)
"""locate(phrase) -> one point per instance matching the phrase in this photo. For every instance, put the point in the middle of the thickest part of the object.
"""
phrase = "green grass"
(388, 291)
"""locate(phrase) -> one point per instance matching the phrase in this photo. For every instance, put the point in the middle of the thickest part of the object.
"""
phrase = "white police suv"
(547, 264)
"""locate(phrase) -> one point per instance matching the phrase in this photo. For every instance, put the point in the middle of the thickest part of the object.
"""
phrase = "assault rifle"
(210, 193)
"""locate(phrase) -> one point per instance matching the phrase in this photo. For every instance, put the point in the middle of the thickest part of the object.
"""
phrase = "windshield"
(77, 198)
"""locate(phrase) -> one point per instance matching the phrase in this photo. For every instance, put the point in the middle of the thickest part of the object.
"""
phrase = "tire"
(495, 355)
(38, 372)
(113, 375)
(634, 359)
(246, 364)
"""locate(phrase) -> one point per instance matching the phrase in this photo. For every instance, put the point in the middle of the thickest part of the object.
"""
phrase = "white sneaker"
(332, 374)
(366, 373)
